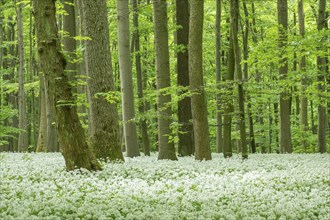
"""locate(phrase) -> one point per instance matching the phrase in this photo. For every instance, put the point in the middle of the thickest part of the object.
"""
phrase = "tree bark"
(304, 82)
(126, 80)
(69, 28)
(42, 136)
(104, 125)
(186, 144)
(234, 10)
(52, 133)
(322, 71)
(33, 103)
(166, 147)
(2, 94)
(198, 101)
(228, 105)
(219, 137)
(22, 116)
(12, 98)
(285, 126)
(246, 77)
(139, 79)
(75, 150)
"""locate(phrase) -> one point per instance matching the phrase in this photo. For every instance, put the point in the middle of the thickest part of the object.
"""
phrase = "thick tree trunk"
(22, 116)
(75, 150)
(198, 102)
(322, 71)
(219, 137)
(234, 10)
(186, 144)
(285, 128)
(104, 124)
(166, 147)
(126, 80)
(139, 78)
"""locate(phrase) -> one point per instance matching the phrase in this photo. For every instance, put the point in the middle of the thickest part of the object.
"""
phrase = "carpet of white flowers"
(36, 186)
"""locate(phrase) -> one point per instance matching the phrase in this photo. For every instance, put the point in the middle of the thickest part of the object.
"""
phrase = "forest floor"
(269, 186)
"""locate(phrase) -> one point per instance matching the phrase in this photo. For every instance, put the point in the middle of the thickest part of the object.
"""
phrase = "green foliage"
(6, 131)
(262, 88)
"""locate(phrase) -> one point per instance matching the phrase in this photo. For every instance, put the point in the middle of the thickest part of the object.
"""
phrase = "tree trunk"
(2, 94)
(219, 137)
(234, 10)
(126, 80)
(69, 28)
(81, 69)
(139, 78)
(198, 102)
(166, 147)
(304, 82)
(75, 150)
(12, 98)
(22, 116)
(246, 77)
(321, 67)
(285, 128)
(228, 105)
(33, 103)
(186, 144)
(104, 124)
(42, 137)
(52, 135)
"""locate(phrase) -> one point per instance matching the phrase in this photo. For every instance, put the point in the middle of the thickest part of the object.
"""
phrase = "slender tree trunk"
(33, 103)
(75, 150)
(139, 78)
(12, 98)
(228, 105)
(22, 117)
(219, 137)
(126, 80)
(285, 129)
(321, 67)
(246, 77)
(42, 137)
(234, 10)
(304, 82)
(104, 124)
(52, 133)
(2, 77)
(257, 72)
(270, 130)
(81, 68)
(294, 95)
(2, 94)
(166, 147)
(185, 145)
(198, 101)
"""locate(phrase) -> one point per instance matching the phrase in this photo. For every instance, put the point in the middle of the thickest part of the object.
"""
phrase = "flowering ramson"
(36, 186)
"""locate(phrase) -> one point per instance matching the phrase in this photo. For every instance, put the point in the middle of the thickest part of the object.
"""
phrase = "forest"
(164, 109)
